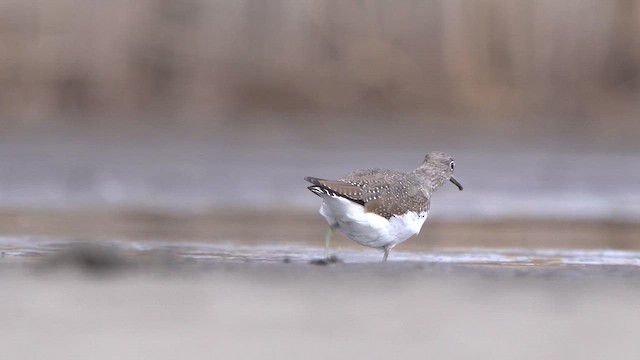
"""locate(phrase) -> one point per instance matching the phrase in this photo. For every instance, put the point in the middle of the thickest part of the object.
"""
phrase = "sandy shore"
(307, 228)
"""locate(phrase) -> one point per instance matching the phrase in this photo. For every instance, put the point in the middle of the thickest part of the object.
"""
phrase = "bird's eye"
(452, 165)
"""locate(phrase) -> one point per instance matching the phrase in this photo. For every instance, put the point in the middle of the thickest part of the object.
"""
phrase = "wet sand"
(276, 310)
(260, 227)
(167, 300)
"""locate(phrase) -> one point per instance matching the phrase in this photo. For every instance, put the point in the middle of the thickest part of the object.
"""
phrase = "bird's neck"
(430, 180)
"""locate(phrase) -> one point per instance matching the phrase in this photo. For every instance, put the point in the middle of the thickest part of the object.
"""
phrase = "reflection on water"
(32, 249)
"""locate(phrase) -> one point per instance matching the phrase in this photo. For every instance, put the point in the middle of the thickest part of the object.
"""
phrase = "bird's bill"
(455, 182)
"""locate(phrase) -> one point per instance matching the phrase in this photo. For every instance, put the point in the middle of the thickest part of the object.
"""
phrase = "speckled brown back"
(383, 192)
(388, 193)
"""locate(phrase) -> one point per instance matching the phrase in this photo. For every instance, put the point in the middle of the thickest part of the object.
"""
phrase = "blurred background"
(155, 138)
(198, 119)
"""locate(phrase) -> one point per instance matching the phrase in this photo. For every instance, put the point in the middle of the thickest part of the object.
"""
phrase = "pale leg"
(386, 254)
(327, 240)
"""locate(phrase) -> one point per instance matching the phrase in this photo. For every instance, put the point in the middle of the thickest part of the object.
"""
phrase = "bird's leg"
(386, 254)
(327, 239)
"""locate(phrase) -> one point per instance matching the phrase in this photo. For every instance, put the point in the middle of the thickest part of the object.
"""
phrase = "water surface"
(28, 249)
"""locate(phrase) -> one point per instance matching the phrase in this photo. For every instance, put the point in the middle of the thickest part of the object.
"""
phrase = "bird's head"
(438, 168)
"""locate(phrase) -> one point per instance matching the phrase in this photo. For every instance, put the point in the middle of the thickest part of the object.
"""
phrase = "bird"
(382, 208)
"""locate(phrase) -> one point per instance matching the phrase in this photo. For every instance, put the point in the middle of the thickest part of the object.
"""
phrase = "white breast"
(370, 229)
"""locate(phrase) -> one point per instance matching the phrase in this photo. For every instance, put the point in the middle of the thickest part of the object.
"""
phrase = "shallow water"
(503, 178)
(28, 249)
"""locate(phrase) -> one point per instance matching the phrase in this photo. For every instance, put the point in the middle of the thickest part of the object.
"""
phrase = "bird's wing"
(336, 188)
(388, 193)
(382, 192)
(387, 199)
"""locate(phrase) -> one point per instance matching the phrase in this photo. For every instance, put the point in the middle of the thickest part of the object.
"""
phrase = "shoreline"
(307, 228)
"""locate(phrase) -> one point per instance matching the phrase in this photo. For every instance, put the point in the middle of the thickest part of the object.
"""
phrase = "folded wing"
(383, 192)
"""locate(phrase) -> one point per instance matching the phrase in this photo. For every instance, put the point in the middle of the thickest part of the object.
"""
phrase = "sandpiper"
(381, 208)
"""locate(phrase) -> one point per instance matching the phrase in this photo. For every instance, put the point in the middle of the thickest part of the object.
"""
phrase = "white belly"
(370, 229)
